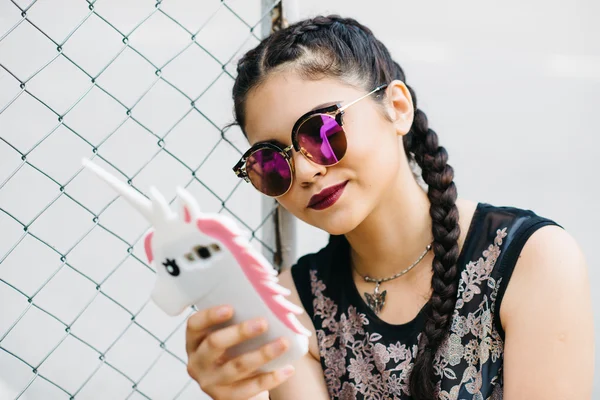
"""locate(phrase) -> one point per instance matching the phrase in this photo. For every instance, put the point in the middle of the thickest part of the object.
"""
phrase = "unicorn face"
(188, 264)
(176, 253)
(198, 253)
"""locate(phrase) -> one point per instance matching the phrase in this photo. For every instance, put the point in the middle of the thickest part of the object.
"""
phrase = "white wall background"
(512, 89)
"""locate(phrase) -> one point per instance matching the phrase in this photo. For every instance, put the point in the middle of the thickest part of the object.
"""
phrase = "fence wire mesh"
(143, 88)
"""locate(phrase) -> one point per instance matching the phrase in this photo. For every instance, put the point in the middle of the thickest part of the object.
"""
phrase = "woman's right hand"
(236, 378)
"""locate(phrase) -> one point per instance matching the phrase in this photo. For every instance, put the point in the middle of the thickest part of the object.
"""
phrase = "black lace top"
(364, 357)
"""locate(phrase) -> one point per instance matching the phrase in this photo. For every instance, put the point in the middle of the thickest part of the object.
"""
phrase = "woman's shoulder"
(511, 214)
(512, 223)
(547, 313)
(498, 237)
(498, 234)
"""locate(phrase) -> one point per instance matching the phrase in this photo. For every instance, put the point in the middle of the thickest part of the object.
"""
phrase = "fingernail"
(222, 312)
(256, 326)
(286, 371)
(279, 345)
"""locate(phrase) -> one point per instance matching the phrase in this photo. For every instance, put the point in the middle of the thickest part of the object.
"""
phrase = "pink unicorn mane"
(260, 275)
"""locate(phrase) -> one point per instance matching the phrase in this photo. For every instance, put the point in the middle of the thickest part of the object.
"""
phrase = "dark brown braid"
(432, 158)
(343, 48)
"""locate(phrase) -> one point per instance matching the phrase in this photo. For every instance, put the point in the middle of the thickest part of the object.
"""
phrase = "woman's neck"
(395, 234)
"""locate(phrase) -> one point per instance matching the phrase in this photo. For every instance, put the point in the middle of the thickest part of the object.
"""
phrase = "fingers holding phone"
(235, 378)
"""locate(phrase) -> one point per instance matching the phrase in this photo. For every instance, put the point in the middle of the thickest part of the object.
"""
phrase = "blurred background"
(511, 88)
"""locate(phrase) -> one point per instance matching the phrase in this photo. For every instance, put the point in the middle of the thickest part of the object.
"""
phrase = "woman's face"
(374, 152)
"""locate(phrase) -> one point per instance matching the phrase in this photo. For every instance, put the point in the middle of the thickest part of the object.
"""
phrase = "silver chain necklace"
(376, 301)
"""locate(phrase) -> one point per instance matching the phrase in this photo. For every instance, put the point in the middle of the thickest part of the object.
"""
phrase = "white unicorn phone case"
(203, 260)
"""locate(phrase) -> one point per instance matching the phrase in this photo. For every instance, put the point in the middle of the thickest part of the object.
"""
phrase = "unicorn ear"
(160, 205)
(148, 245)
(191, 209)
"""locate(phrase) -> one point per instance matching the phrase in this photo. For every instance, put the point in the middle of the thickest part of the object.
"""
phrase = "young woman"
(419, 294)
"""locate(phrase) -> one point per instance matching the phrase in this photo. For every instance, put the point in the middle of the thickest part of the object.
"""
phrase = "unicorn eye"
(202, 252)
(172, 267)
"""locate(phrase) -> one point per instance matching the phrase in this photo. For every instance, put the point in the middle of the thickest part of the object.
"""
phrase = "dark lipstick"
(327, 197)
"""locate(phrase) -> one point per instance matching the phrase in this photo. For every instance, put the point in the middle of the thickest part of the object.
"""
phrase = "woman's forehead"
(273, 107)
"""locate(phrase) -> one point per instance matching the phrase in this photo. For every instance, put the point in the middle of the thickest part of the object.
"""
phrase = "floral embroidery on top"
(359, 364)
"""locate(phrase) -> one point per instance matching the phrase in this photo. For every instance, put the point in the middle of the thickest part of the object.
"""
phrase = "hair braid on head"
(283, 45)
(422, 142)
(287, 44)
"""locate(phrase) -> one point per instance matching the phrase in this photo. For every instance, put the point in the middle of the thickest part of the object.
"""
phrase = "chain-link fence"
(143, 88)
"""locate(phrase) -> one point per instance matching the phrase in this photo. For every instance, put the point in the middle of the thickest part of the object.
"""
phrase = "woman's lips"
(327, 197)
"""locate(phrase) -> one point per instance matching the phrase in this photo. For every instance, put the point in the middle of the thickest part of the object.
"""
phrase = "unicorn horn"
(137, 200)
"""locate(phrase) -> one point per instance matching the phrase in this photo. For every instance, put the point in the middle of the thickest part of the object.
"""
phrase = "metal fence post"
(280, 233)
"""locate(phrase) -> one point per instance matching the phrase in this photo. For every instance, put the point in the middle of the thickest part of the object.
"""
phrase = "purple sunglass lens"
(322, 139)
(269, 172)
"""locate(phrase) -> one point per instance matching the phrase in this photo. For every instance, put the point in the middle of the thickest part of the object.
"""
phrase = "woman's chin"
(338, 223)
(339, 218)
(337, 232)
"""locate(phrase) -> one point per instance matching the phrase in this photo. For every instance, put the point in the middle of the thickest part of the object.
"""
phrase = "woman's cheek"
(289, 203)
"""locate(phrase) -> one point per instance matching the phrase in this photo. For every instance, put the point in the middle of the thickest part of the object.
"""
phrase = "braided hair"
(331, 46)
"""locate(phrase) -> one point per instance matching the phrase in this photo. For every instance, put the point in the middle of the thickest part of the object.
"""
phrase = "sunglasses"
(318, 135)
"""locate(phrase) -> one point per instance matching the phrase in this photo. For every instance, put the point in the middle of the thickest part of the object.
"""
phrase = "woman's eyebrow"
(324, 105)
(271, 141)
(318, 107)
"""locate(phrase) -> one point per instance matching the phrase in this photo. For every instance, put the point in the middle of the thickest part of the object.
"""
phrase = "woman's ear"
(400, 106)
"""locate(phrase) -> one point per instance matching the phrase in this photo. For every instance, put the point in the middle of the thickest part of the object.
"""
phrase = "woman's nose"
(307, 172)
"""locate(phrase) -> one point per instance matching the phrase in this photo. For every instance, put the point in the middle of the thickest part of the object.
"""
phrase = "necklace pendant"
(376, 301)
